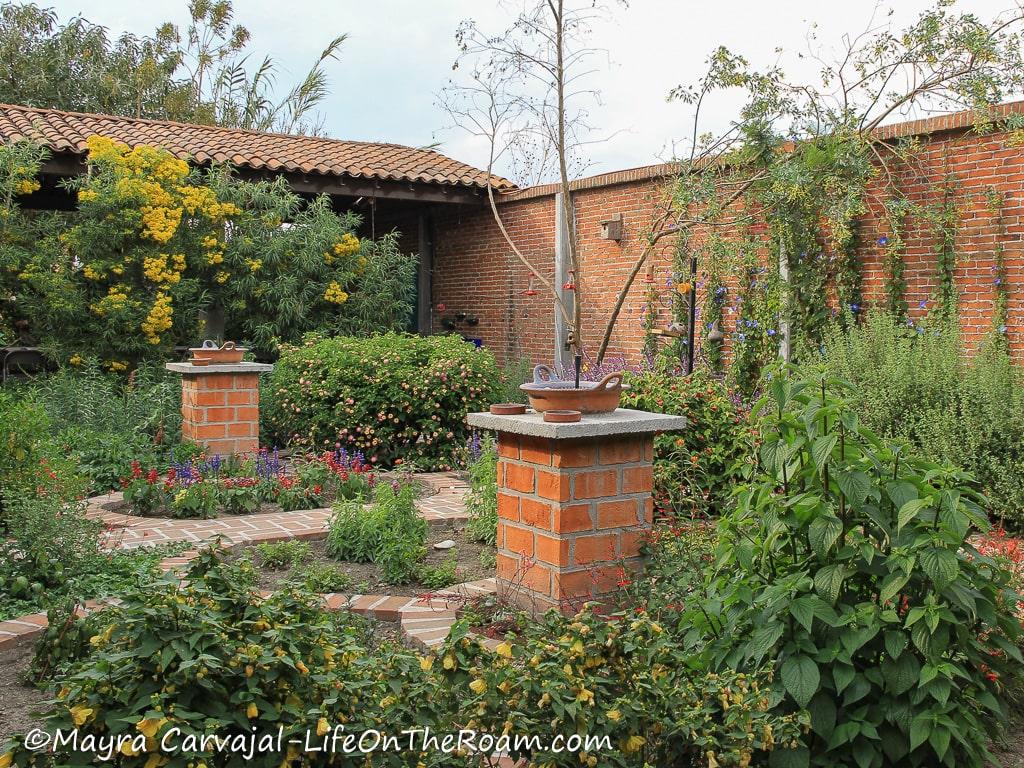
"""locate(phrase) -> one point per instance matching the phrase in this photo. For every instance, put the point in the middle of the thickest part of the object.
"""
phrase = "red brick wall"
(475, 271)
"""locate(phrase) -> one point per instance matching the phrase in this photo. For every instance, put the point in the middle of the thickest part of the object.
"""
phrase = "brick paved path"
(444, 503)
(425, 620)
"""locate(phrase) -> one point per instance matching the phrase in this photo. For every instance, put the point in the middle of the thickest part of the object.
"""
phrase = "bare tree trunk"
(568, 213)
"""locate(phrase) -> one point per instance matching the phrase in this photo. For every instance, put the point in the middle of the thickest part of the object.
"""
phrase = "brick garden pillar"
(220, 405)
(574, 502)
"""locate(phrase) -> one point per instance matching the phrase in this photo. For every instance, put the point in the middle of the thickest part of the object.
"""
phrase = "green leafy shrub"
(321, 578)
(31, 462)
(388, 533)
(440, 576)
(274, 662)
(395, 398)
(282, 554)
(851, 565)
(152, 664)
(623, 679)
(482, 499)
(696, 468)
(917, 383)
(52, 550)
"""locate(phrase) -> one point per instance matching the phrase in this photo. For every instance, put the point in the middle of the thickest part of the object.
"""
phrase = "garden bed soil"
(17, 700)
(368, 579)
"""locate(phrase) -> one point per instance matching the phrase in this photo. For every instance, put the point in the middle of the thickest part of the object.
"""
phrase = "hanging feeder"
(649, 276)
(715, 335)
(570, 284)
(530, 290)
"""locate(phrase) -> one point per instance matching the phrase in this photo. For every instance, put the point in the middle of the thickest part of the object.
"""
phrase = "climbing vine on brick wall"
(1000, 299)
(894, 242)
(945, 220)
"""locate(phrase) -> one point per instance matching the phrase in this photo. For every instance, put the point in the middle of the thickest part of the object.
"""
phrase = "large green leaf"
(855, 485)
(823, 532)
(892, 584)
(909, 511)
(901, 674)
(828, 581)
(941, 565)
(801, 678)
(822, 449)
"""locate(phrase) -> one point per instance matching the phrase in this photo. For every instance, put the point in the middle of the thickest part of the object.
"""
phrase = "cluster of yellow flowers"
(335, 295)
(164, 268)
(116, 299)
(87, 195)
(76, 359)
(159, 318)
(160, 223)
(215, 257)
(26, 186)
(222, 277)
(203, 200)
(90, 273)
(255, 265)
(24, 179)
(348, 245)
(115, 365)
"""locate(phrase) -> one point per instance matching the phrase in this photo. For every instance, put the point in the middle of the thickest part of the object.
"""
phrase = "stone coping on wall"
(197, 370)
(622, 421)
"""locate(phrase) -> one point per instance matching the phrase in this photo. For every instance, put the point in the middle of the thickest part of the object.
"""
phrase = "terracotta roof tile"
(68, 131)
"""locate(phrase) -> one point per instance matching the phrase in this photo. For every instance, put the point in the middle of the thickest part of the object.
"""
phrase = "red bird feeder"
(530, 290)
(570, 284)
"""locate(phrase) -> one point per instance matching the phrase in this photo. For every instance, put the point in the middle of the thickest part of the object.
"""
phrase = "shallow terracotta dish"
(549, 393)
(508, 409)
(226, 353)
(200, 361)
(562, 416)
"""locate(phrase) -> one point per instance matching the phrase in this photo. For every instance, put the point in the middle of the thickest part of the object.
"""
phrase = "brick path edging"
(445, 505)
(425, 621)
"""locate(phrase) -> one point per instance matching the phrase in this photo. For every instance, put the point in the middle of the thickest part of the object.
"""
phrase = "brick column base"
(571, 514)
(220, 406)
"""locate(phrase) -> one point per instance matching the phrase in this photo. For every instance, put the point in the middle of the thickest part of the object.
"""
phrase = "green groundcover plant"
(918, 383)
(849, 564)
(696, 468)
(209, 655)
(396, 398)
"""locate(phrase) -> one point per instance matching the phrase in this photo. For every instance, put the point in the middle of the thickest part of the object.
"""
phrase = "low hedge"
(397, 398)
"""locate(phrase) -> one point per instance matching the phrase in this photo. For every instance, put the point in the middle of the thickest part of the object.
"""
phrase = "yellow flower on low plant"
(87, 195)
(322, 727)
(80, 715)
(222, 277)
(89, 273)
(614, 715)
(252, 711)
(255, 265)
(478, 686)
(6, 759)
(75, 359)
(504, 650)
(426, 662)
(634, 743)
(150, 726)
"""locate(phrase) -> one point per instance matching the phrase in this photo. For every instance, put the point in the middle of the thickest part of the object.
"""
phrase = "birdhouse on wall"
(611, 229)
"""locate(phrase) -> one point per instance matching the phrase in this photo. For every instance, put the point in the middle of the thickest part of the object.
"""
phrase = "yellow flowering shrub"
(155, 242)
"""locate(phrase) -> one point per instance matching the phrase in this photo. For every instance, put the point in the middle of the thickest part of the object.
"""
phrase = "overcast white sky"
(399, 56)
